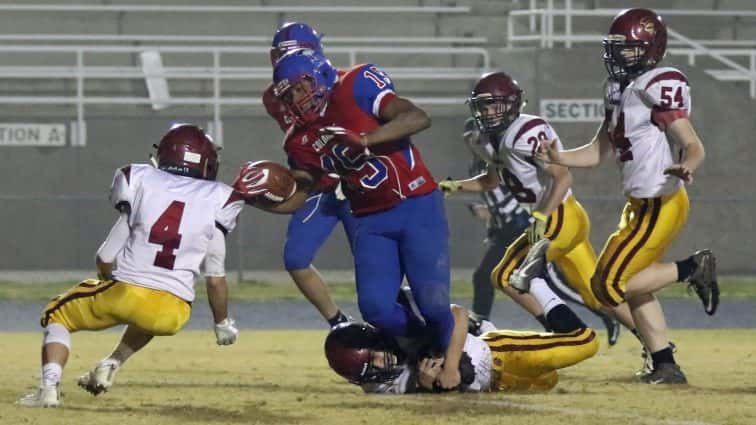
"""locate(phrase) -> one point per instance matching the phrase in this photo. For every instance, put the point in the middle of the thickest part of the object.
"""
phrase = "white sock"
(51, 373)
(119, 356)
(540, 290)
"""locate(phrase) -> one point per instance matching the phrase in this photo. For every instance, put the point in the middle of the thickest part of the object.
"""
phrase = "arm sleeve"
(227, 216)
(116, 239)
(373, 89)
(122, 190)
(668, 94)
(215, 258)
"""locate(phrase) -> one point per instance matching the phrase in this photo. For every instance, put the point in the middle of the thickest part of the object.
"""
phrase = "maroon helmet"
(349, 349)
(187, 150)
(495, 102)
(636, 43)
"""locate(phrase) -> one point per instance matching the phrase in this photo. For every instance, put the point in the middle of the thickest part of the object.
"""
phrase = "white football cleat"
(44, 397)
(532, 266)
(99, 379)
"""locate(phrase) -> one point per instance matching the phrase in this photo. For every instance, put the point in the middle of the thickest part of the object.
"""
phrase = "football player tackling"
(355, 125)
(654, 144)
(170, 219)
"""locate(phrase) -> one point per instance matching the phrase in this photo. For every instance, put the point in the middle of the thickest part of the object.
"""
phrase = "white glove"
(225, 332)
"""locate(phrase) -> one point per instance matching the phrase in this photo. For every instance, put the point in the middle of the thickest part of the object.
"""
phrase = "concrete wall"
(55, 210)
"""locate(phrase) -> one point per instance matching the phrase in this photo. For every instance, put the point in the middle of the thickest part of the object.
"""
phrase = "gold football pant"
(568, 228)
(647, 227)
(528, 361)
(100, 304)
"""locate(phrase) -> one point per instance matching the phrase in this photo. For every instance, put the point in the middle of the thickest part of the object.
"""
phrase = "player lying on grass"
(499, 360)
(170, 218)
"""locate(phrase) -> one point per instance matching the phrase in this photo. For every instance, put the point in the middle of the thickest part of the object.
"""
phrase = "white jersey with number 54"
(172, 218)
(637, 131)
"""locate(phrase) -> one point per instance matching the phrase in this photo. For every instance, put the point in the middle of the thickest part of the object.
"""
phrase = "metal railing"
(232, 39)
(542, 30)
(80, 72)
(158, 8)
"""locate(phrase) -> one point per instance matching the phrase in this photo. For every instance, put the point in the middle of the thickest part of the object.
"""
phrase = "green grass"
(281, 377)
(731, 288)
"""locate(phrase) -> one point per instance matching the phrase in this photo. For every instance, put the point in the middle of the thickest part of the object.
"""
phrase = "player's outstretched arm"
(586, 156)
(682, 132)
(449, 377)
(305, 182)
(402, 118)
(480, 183)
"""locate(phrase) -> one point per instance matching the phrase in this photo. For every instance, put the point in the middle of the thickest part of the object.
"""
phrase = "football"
(268, 179)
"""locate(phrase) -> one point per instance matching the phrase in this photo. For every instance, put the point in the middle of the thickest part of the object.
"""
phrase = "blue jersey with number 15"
(373, 180)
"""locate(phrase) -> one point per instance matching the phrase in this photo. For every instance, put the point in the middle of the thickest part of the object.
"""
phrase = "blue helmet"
(303, 81)
(294, 35)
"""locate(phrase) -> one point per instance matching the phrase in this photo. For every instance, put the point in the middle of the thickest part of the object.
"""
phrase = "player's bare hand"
(449, 378)
(681, 171)
(345, 135)
(428, 369)
(547, 152)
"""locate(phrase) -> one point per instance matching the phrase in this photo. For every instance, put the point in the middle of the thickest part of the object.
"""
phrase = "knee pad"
(55, 332)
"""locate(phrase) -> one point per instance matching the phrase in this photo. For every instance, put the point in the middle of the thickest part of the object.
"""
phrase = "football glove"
(449, 186)
(226, 332)
(537, 228)
(344, 135)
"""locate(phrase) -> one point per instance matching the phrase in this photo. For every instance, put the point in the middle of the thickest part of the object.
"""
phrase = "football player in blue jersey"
(313, 223)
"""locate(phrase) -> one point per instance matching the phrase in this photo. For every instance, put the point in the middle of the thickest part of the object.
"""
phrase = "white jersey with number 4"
(637, 130)
(172, 218)
(525, 177)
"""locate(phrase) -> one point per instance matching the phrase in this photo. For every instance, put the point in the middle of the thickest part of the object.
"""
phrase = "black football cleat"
(612, 329)
(648, 362)
(666, 373)
(704, 280)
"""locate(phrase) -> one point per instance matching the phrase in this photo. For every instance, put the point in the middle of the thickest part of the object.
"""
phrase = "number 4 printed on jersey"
(165, 232)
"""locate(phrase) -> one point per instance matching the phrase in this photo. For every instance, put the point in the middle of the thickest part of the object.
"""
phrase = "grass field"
(282, 378)
(731, 287)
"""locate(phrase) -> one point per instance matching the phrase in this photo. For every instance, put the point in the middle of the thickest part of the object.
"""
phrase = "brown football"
(269, 179)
